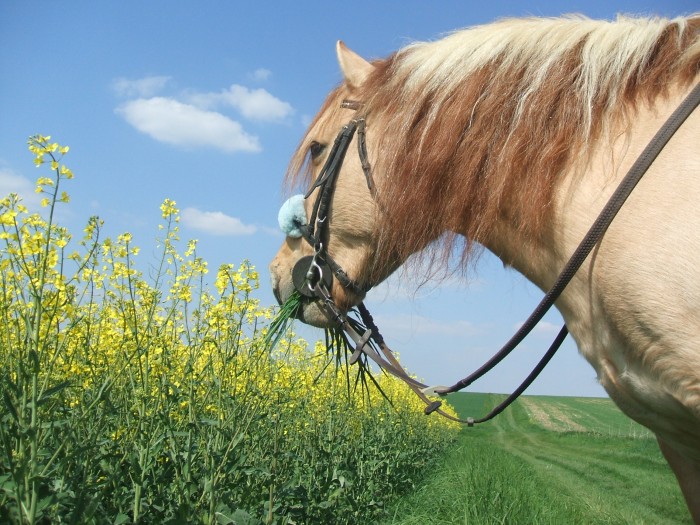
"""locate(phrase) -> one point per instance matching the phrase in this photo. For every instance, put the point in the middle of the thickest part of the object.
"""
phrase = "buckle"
(308, 272)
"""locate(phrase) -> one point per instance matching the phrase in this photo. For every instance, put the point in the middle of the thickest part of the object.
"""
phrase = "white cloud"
(215, 223)
(173, 122)
(261, 74)
(142, 88)
(193, 119)
(257, 104)
(10, 182)
(254, 104)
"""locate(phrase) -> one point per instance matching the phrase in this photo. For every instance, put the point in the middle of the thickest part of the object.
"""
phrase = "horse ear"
(355, 68)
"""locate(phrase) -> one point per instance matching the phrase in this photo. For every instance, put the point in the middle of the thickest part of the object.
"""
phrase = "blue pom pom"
(292, 216)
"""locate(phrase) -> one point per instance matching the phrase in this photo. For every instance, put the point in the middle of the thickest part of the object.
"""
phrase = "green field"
(547, 460)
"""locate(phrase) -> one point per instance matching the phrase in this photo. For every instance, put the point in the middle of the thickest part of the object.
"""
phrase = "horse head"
(332, 229)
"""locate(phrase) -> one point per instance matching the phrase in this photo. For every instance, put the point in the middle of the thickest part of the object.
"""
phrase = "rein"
(311, 274)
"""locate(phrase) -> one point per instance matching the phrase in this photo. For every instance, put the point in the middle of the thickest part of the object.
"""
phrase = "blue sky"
(204, 102)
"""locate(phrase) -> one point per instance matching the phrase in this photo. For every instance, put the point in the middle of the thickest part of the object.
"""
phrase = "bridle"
(312, 274)
(316, 232)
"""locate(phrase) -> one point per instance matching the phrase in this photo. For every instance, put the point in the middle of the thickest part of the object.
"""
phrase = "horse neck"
(582, 192)
(538, 260)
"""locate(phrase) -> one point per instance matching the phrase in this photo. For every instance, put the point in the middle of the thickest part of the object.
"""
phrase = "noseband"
(312, 274)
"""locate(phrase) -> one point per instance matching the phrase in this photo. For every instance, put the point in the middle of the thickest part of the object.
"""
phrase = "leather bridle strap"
(388, 362)
(316, 231)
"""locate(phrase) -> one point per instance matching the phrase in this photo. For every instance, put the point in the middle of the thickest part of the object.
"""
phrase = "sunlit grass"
(514, 469)
(285, 315)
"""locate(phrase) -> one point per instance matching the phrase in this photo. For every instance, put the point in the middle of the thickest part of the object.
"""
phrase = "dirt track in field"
(552, 417)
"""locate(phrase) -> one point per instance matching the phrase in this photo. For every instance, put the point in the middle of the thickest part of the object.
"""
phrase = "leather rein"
(312, 275)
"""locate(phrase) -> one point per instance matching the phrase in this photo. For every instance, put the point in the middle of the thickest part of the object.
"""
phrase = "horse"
(510, 137)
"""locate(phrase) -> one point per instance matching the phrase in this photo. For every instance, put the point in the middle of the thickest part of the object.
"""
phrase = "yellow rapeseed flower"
(168, 208)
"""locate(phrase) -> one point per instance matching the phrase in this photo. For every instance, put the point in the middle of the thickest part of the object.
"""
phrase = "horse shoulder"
(633, 307)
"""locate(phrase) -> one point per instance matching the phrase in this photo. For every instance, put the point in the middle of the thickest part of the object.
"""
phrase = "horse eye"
(316, 149)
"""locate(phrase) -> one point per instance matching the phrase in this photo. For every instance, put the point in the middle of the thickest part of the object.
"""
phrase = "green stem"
(31, 477)
(34, 471)
(137, 502)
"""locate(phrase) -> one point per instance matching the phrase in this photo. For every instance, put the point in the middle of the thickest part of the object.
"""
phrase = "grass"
(338, 347)
(280, 324)
(518, 469)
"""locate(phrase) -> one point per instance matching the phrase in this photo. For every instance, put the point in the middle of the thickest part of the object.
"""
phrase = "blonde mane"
(480, 124)
(609, 55)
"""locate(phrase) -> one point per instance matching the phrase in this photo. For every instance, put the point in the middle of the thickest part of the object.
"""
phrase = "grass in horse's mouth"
(338, 347)
(278, 326)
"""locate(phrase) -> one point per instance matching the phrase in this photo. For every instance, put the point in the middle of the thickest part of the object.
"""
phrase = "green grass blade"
(279, 325)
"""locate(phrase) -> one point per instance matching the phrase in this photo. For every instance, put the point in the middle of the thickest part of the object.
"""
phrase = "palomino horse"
(512, 136)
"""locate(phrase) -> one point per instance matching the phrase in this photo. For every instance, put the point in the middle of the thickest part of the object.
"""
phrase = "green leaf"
(53, 390)
(239, 517)
(10, 406)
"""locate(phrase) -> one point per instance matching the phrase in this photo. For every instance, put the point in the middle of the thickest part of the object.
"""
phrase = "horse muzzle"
(287, 281)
